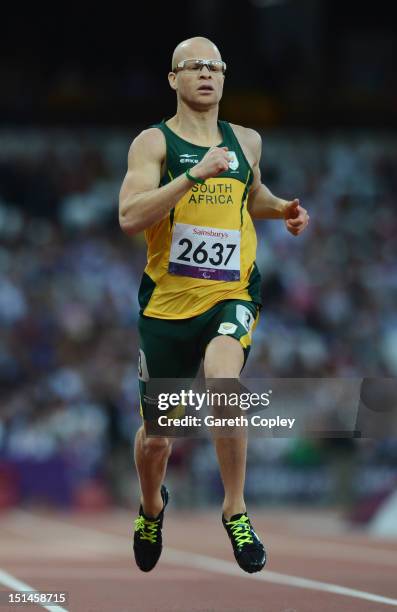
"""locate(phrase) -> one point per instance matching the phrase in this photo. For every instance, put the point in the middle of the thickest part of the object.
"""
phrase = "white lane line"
(218, 565)
(330, 550)
(288, 545)
(8, 580)
(231, 569)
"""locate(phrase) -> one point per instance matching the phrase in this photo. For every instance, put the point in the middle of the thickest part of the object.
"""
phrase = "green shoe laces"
(148, 528)
(241, 531)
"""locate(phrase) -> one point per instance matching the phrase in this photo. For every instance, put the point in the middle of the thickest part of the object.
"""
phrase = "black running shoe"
(247, 547)
(148, 541)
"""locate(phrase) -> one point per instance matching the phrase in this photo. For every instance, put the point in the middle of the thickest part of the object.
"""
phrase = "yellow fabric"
(215, 204)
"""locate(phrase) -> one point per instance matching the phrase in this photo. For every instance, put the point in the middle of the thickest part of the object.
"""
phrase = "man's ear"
(172, 80)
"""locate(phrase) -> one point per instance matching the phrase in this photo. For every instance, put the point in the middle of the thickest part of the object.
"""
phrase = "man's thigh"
(168, 350)
(233, 319)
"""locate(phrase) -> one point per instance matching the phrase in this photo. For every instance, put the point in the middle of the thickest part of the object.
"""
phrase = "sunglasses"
(198, 64)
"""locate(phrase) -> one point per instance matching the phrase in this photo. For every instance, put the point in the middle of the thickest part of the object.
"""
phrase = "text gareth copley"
(239, 421)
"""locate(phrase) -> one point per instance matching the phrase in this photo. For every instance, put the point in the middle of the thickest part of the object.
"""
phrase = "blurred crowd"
(68, 308)
(294, 51)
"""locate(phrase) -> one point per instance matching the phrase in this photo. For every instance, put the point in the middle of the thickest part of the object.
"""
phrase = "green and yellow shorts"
(174, 348)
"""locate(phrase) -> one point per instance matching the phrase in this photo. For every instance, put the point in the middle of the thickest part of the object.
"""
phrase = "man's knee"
(224, 358)
(156, 446)
(224, 394)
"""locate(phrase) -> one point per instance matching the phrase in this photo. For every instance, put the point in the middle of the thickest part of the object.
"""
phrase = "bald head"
(196, 47)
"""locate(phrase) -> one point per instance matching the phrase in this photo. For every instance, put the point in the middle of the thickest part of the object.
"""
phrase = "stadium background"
(317, 80)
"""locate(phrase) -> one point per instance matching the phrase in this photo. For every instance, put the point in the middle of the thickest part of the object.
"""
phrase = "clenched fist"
(296, 217)
(214, 162)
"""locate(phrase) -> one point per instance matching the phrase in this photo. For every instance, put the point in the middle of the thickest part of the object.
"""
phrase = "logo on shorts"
(227, 328)
(244, 315)
(233, 163)
(143, 373)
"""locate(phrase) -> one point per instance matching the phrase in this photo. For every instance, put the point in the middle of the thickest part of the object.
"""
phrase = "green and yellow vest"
(204, 251)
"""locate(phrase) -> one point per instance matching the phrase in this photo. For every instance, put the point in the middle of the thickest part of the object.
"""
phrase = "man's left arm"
(263, 204)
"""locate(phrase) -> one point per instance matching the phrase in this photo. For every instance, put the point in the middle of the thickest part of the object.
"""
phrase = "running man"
(193, 185)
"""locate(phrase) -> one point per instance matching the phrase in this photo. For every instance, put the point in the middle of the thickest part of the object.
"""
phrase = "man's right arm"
(142, 202)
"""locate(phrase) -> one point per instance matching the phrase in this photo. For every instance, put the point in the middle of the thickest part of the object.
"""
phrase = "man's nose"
(205, 71)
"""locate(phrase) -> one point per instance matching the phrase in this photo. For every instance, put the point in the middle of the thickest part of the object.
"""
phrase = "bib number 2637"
(205, 252)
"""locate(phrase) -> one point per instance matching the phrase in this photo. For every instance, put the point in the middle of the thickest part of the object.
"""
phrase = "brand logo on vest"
(185, 158)
(233, 163)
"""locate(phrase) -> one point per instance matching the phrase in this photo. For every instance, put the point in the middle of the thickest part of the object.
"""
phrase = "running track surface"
(315, 564)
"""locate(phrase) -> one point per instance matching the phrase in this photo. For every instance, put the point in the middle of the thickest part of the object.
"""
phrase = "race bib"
(205, 252)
